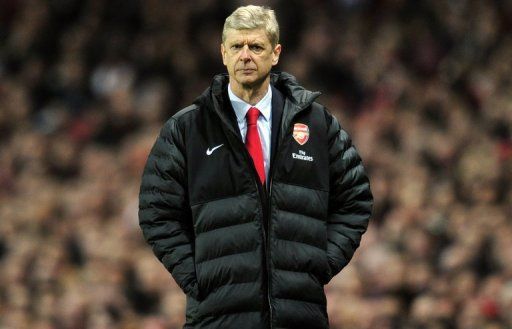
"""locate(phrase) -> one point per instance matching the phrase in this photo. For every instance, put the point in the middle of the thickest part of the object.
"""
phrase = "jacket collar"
(288, 85)
(296, 99)
(282, 81)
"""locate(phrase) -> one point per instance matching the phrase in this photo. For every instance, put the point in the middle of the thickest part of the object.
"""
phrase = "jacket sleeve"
(164, 212)
(350, 199)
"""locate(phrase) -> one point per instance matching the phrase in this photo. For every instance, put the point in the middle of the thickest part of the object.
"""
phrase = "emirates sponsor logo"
(301, 133)
(302, 156)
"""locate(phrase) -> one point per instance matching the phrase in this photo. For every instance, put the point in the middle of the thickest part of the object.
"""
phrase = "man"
(253, 197)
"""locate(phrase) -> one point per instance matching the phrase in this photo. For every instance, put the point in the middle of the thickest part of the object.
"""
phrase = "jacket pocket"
(325, 275)
(191, 318)
(201, 284)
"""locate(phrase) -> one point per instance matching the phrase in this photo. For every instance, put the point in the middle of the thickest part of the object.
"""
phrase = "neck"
(250, 94)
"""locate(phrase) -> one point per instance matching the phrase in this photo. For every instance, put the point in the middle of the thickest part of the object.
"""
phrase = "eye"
(236, 46)
(256, 48)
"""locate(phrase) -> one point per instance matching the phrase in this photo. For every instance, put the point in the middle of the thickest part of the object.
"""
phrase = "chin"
(250, 80)
(247, 82)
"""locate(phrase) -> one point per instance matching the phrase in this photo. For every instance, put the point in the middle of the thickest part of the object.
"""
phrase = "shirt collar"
(241, 107)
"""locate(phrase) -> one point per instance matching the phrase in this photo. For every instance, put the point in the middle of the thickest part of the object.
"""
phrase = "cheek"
(232, 63)
(229, 62)
(267, 62)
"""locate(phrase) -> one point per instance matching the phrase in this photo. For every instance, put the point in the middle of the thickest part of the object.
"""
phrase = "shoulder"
(323, 112)
(182, 118)
(186, 113)
(334, 128)
(319, 108)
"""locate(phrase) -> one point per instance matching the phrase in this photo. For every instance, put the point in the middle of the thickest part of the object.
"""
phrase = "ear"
(275, 54)
(223, 53)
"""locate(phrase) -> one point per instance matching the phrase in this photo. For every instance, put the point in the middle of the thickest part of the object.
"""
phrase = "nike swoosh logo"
(210, 151)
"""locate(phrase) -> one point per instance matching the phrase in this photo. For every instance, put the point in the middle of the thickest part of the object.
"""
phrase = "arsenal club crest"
(301, 133)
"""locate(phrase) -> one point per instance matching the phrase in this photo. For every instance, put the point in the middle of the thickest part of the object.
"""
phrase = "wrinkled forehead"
(246, 36)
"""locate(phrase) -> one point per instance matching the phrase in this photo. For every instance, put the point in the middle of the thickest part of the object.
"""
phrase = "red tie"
(253, 142)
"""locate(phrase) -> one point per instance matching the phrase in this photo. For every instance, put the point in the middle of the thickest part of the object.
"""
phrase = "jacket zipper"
(259, 187)
(269, 218)
(266, 248)
(266, 241)
(269, 210)
(269, 214)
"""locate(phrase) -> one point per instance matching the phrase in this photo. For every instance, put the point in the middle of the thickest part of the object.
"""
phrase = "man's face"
(248, 56)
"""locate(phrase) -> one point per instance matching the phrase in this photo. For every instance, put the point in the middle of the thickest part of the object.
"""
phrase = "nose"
(245, 56)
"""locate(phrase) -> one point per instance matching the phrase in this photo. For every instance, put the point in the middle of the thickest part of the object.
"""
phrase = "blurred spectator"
(423, 87)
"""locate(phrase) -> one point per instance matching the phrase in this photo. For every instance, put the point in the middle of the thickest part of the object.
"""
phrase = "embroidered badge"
(301, 133)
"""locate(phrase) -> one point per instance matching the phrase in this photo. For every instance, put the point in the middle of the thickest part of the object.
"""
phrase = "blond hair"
(253, 17)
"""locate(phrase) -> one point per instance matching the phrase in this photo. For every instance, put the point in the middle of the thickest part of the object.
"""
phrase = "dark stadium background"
(424, 87)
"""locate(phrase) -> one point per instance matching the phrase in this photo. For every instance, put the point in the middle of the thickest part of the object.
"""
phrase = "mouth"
(246, 70)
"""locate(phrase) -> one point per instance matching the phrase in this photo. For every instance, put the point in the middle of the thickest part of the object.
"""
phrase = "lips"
(246, 70)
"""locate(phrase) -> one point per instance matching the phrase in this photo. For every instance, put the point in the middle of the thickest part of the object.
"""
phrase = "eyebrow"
(250, 42)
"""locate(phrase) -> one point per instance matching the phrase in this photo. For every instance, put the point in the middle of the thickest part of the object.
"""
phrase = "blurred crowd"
(424, 88)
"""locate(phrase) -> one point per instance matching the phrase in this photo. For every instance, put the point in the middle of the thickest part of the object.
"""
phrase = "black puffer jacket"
(244, 257)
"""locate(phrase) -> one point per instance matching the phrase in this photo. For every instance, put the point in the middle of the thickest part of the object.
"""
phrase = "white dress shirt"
(264, 121)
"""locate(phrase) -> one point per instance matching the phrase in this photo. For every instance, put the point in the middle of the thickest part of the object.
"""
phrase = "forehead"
(255, 35)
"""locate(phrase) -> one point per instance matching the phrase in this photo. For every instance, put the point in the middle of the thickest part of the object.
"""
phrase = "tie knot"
(252, 116)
